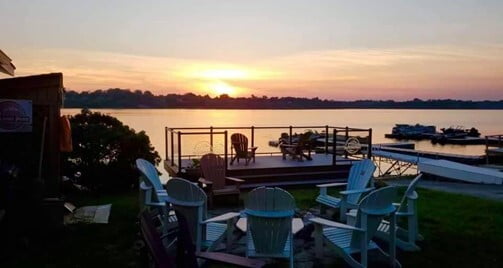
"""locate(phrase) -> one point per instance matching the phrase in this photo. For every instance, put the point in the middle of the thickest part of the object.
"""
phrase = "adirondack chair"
(154, 196)
(348, 239)
(359, 182)
(186, 255)
(154, 242)
(269, 213)
(241, 150)
(213, 171)
(150, 175)
(189, 200)
(296, 149)
(162, 212)
(406, 236)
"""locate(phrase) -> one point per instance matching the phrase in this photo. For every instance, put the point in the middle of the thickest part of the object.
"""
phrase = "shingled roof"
(6, 65)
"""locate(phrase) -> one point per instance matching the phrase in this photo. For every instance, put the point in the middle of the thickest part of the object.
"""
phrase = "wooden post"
(225, 151)
(326, 139)
(318, 240)
(334, 148)
(369, 149)
(179, 151)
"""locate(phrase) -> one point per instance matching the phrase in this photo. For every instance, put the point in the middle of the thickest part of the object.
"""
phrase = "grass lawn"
(459, 231)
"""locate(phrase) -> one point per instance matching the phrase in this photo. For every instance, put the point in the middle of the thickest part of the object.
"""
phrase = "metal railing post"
(166, 144)
(326, 139)
(252, 136)
(179, 151)
(172, 148)
(369, 149)
(334, 148)
(211, 137)
(346, 138)
(290, 135)
(225, 151)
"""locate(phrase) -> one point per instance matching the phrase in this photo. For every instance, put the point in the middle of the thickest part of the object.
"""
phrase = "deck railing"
(174, 137)
(494, 141)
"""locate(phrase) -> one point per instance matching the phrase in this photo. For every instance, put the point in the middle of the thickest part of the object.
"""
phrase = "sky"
(346, 50)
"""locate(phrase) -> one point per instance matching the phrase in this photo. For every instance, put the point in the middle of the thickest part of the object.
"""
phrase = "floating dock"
(438, 165)
(457, 171)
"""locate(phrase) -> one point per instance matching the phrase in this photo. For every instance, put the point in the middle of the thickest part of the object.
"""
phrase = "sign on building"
(16, 115)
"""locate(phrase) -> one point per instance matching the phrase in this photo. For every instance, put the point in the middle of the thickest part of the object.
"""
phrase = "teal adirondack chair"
(269, 213)
(189, 200)
(348, 240)
(406, 209)
(359, 182)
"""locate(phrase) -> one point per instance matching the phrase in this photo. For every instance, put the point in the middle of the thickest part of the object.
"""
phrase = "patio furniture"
(296, 149)
(359, 182)
(269, 213)
(153, 196)
(154, 242)
(348, 239)
(241, 150)
(186, 255)
(213, 171)
(189, 200)
(297, 224)
(150, 175)
(406, 236)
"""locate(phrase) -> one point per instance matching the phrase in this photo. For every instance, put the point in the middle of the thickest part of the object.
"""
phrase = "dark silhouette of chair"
(240, 145)
(213, 171)
(297, 148)
(153, 241)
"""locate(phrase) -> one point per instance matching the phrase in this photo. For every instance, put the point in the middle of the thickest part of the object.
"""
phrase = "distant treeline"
(121, 98)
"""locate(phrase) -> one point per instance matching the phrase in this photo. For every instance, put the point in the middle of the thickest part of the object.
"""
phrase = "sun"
(220, 88)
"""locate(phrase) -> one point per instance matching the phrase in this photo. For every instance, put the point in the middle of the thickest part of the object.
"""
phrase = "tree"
(105, 150)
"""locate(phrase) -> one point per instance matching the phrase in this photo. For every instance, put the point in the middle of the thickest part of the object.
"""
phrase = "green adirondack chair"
(348, 240)
(189, 200)
(407, 235)
(269, 213)
(359, 182)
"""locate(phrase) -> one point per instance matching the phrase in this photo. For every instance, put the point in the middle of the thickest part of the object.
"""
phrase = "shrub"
(104, 152)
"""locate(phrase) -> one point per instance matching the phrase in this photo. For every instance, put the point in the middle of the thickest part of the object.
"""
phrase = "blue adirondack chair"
(406, 236)
(359, 182)
(269, 213)
(153, 196)
(348, 240)
(189, 200)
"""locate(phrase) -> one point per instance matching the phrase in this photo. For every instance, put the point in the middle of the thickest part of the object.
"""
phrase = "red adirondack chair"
(213, 171)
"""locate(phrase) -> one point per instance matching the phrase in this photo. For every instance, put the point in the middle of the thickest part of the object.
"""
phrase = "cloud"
(428, 71)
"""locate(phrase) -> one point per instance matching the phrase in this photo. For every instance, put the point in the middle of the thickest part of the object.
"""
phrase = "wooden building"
(32, 156)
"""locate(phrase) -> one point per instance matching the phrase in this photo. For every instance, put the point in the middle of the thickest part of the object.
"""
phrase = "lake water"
(153, 121)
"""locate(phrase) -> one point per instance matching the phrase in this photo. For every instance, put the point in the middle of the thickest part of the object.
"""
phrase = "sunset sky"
(329, 49)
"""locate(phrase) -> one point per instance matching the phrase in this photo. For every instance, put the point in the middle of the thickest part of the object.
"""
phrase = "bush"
(104, 152)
